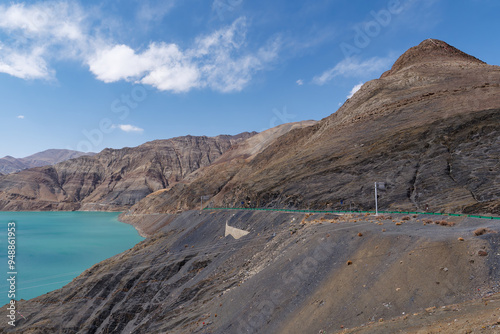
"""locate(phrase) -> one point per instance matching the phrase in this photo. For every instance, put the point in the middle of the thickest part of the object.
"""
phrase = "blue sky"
(96, 74)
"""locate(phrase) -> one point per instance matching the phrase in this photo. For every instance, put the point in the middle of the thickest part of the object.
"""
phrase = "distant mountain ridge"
(113, 179)
(9, 164)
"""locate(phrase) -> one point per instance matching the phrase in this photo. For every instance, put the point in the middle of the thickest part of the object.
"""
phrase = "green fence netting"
(342, 211)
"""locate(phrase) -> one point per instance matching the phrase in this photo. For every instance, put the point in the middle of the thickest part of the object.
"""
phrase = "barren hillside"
(428, 128)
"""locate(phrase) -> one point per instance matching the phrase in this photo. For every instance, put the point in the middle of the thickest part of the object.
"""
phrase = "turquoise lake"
(52, 248)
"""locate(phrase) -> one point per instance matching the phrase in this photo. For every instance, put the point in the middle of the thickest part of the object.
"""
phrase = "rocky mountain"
(10, 164)
(112, 179)
(428, 129)
(210, 179)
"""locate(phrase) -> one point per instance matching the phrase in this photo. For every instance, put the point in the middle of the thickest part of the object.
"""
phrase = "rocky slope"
(206, 181)
(10, 164)
(293, 273)
(428, 128)
(478, 316)
(112, 179)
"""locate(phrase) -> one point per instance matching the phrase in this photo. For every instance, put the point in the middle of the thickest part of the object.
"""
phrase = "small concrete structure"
(235, 232)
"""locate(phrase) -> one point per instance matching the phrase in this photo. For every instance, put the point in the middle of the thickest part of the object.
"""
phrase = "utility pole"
(378, 185)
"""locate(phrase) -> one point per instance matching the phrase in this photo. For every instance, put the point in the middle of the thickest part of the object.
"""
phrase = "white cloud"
(30, 65)
(300, 82)
(120, 62)
(163, 66)
(44, 32)
(20, 116)
(353, 67)
(224, 66)
(128, 128)
(57, 19)
(178, 78)
(38, 33)
(354, 90)
(215, 61)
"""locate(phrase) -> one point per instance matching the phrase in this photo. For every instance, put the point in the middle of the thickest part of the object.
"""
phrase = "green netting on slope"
(397, 212)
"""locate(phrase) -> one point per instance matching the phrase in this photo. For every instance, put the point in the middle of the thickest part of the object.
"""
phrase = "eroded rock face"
(428, 128)
(212, 179)
(112, 179)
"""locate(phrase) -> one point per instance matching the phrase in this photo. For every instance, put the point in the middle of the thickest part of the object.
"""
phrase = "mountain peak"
(430, 50)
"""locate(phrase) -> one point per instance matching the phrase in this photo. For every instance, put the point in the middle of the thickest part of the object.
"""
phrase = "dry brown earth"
(428, 128)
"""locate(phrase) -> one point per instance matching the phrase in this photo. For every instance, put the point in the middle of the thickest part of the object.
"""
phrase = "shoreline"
(147, 224)
(137, 228)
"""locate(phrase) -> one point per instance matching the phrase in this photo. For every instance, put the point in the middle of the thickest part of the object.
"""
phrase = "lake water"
(52, 248)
